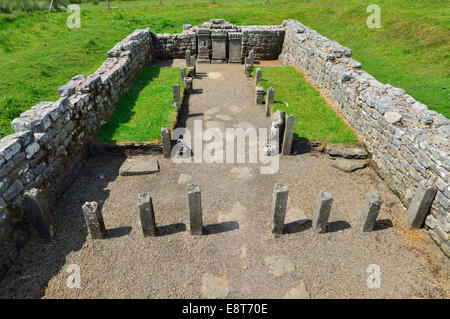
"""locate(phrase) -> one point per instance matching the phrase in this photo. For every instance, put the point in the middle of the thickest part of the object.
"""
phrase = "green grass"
(38, 53)
(144, 109)
(314, 119)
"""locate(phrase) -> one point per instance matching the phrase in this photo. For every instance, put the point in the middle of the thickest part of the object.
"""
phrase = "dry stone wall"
(408, 142)
(50, 143)
(265, 41)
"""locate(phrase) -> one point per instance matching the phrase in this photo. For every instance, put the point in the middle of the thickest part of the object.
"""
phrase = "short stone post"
(420, 204)
(182, 73)
(251, 56)
(370, 210)
(94, 220)
(176, 95)
(166, 142)
(258, 76)
(195, 209)
(259, 92)
(288, 134)
(35, 206)
(279, 203)
(187, 56)
(269, 100)
(248, 70)
(188, 84)
(192, 67)
(147, 215)
(322, 212)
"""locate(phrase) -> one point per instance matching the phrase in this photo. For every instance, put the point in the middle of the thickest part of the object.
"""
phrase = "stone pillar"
(195, 209)
(269, 100)
(420, 204)
(176, 95)
(251, 56)
(369, 212)
(257, 76)
(192, 66)
(235, 47)
(94, 220)
(203, 45)
(166, 142)
(279, 203)
(188, 84)
(322, 212)
(259, 92)
(187, 56)
(182, 73)
(288, 134)
(147, 215)
(277, 131)
(219, 47)
(248, 70)
(36, 206)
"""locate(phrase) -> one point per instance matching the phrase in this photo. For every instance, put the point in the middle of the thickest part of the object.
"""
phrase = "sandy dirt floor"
(237, 257)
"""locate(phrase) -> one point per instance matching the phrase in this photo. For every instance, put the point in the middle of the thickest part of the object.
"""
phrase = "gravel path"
(238, 257)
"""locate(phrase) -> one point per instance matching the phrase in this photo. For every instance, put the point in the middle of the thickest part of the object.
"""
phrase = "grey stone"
(322, 212)
(36, 207)
(369, 212)
(248, 70)
(188, 84)
(139, 165)
(182, 73)
(257, 76)
(420, 204)
(357, 153)
(195, 209)
(279, 203)
(166, 140)
(176, 95)
(13, 190)
(235, 47)
(270, 99)
(392, 117)
(203, 45)
(259, 92)
(298, 292)
(219, 46)
(187, 57)
(147, 215)
(288, 135)
(94, 220)
(348, 165)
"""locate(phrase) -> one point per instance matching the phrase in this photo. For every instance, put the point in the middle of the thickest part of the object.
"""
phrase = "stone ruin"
(408, 143)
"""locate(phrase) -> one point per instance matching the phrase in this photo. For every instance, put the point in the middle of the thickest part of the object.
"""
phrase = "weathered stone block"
(279, 204)
(147, 215)
(420, 204)
(36, 207)
(94, 220)
(322, 212)
(195, 209)
(370, 210)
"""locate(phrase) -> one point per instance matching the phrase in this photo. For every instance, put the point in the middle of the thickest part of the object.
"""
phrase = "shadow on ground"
(40, 260)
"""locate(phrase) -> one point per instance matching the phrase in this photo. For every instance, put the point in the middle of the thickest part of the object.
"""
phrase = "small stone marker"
(188, 57)
(259, 91)
(147, 215)
(420, 204)
(279, 203)
(188, 84)
(288, 134)
(166, 142)
(370, 210)
(35, 206)
(251, 56)
(94, 220)
(191, 71)
(258, 76)
(195, 209)
(248, 70)
(193, 62)
(176, 95)
(182, 73)
(322, 212)
(139, 165)
(270, 99)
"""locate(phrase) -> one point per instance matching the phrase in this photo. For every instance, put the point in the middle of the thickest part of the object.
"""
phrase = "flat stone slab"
(298, 292)
(357, 152)
(139, 165)
(348, 165)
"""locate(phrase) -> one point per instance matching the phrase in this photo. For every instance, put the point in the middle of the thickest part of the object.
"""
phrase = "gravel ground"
(237, 257)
